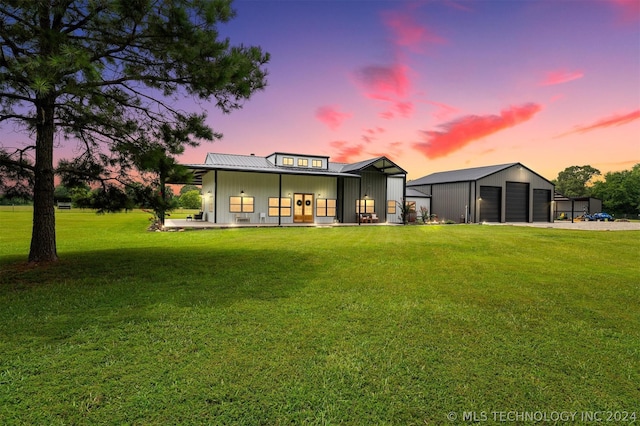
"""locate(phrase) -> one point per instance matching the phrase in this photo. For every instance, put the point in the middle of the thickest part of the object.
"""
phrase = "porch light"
(242, 191)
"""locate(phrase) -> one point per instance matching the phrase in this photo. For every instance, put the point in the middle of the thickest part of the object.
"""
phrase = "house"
(500, 193)
(286, 188)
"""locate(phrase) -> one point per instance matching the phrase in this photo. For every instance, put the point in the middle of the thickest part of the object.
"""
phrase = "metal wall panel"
(260, 186)
(520, 174)
(450, 200)
(395, 193)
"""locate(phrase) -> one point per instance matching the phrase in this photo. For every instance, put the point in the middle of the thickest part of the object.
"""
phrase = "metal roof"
(462, 175)
(414, 193)
(254, 163)
(382, 164)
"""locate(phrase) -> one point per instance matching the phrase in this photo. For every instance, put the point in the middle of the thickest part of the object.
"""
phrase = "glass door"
(303, 208)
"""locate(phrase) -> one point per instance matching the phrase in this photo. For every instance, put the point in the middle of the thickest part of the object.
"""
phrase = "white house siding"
(261, 186)
(319, 186)
(395, 193)
(208, 191)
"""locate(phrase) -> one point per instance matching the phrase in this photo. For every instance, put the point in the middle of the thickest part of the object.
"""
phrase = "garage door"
(541, 205)
(517, 202)
(490, 203)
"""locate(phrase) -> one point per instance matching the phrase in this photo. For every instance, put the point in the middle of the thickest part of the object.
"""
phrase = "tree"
(191, 199)
(188, 188)
(573, 181)
(103, 74)
(620, 192)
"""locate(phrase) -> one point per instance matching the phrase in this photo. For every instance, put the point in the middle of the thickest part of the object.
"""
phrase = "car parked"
(605, 217)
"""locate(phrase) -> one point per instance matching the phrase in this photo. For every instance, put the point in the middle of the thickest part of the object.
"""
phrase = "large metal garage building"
(501, 193)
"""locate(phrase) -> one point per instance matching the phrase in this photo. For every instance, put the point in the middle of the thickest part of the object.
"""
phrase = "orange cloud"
(615, 120)
(346, 153)
(407, 32)
(560, 76)
(458, 133)
(330, 116)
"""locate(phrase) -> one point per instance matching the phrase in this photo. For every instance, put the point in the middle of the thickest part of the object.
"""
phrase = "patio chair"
(198, 216)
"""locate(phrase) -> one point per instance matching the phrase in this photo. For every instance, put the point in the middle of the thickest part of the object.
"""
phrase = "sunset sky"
(437, 85)
(441, 85)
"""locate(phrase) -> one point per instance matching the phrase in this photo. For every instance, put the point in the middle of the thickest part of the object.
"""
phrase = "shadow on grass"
(133, 284)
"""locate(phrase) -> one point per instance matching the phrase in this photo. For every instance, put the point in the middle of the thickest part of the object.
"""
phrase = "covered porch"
(175, 224)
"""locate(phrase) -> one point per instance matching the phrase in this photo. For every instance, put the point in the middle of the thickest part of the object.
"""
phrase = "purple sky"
(441, 85)
(437, 85)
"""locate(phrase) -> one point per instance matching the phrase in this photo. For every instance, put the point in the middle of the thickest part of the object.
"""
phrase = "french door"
(303, 208)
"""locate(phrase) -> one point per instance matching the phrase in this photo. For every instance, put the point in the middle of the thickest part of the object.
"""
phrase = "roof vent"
(252, 154)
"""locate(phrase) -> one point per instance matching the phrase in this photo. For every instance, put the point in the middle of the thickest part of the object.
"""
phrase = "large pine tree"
(103, 74)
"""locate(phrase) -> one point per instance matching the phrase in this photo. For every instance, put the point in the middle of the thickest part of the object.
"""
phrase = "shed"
(500, 193)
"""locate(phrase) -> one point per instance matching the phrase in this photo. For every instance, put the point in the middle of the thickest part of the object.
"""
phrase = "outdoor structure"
(285, 188)
(417, 200)
(572, 207)
(501, 193)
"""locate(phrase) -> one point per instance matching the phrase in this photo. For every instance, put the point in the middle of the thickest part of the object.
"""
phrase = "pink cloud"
(615, 120)
(560, 76)
(407, 32)
(346, 153)
(629, 10)
(444, 111)
(370, 134)
(387, 115)
(330, 116)
(384, 82)
(458, 133)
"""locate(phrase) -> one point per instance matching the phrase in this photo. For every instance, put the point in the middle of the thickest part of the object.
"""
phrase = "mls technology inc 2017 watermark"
(543, 416)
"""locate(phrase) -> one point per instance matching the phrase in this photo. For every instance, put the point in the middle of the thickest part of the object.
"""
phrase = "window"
(391, 207)
(241, 204)
(325, 207)
(316, 163)
(366, 206)
(285, 206)
(303, 162)
(287, 161)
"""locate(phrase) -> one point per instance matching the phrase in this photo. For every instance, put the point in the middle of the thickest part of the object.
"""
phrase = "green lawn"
(355, 325)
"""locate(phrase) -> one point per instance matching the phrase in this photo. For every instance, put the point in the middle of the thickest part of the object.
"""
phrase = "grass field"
(351, 325)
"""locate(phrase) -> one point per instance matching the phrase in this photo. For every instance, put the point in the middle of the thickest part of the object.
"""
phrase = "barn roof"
(462, 175)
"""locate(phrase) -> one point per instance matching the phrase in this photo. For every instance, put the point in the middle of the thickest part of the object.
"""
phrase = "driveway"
(585, 226)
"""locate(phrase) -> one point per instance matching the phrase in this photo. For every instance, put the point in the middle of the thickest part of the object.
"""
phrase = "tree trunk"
(43, 236)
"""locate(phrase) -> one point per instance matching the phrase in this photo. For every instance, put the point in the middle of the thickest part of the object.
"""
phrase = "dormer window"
(303, 162)
(287, 161)
(316, 163)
